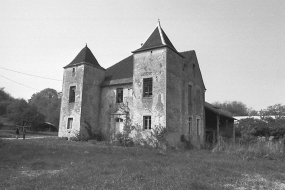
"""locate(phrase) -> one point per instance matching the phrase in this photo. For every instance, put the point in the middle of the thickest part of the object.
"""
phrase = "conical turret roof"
(85, 56)
(158, 38)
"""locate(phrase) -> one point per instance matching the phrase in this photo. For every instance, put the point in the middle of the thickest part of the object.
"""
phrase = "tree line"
(271, 122)
(43, 106)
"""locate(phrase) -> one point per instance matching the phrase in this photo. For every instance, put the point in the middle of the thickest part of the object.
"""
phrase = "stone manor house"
(155, 86)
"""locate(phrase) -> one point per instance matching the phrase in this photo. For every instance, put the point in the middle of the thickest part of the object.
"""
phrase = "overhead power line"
(30, 74)
(20, 83)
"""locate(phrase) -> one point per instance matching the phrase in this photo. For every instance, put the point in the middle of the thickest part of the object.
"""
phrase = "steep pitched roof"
(121, 72)
(85, 56)
(157, 39)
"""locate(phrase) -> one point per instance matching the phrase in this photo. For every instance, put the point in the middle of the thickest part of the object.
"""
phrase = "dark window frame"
(189, 124)
(147, 122)
(69, 123)
(72, 91)
(147, 87)
(198, 125)
(120, 95)
(73, 71)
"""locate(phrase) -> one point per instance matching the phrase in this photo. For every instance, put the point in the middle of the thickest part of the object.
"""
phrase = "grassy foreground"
(52, 163)
(12, 134)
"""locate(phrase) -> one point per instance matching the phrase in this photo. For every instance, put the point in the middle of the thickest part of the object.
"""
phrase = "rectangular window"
(73, 72)
(189, 125)
(119, 95)
(69, 123)
(147, 122)
(72, 94)
(147, 87)
(198, 126)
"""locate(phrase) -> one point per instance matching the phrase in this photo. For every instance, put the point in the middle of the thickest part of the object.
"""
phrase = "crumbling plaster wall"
(109, 106)
(91, 97)
(150, 64)
(71, 110)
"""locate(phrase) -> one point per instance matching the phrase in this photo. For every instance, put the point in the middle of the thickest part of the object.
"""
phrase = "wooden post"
(234, 133)
(218, 128)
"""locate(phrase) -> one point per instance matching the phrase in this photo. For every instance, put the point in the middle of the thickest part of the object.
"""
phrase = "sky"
(240, 44)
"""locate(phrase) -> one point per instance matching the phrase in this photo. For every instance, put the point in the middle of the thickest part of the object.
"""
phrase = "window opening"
(69, 123)
(147, 122)
(119, 95)
(189, 124)
(194, 72)
(198, 126)
(73, 72)
(147, 87)
(72, 94)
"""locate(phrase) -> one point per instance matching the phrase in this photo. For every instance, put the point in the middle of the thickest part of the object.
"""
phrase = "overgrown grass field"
(54, 163)
(12, 134)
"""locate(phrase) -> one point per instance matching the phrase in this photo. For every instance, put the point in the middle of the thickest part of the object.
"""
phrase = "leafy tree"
(277, 110)
(4, 96)
(20, 112)
(32, 117)
(16, 109)
(48, 103)
(236, 108)
(5, 100)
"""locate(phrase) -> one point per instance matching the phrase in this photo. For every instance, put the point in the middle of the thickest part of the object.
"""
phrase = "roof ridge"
(160, 32)
(157, 39)
(85, 56)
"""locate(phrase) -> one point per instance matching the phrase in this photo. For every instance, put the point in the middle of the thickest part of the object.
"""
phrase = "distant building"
(155, 86)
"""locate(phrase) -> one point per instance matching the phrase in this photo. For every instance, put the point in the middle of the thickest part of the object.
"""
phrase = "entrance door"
(119, 126)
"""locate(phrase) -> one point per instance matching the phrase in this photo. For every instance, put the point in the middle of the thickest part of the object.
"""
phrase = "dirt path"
(31, 137)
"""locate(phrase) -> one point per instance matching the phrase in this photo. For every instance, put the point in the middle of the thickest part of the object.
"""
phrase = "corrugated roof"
(85, 56)
(217, 110)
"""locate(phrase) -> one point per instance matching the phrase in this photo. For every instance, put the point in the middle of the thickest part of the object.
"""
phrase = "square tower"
(81, 96)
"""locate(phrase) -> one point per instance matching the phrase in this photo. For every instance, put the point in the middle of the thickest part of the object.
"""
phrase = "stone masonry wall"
(150, 64)
(174, 112)
(91, 94)
(71, 110)
(180, 74)
(109, 106)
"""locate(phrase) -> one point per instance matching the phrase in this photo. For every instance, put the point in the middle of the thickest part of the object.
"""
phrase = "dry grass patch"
(61, 164)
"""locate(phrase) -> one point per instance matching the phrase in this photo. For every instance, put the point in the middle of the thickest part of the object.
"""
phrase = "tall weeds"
(259, 148)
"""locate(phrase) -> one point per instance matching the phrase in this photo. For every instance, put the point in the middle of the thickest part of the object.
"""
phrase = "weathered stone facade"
(173, 97)
(150, 64)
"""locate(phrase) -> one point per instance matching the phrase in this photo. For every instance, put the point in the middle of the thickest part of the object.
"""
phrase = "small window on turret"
(72, 94)
(73, 72)
(69, 123)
